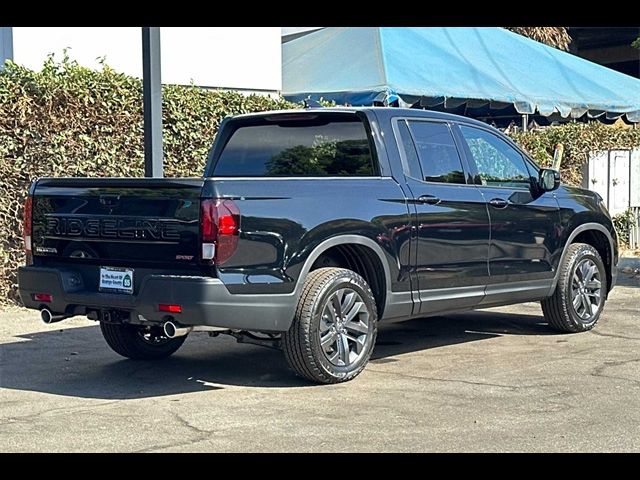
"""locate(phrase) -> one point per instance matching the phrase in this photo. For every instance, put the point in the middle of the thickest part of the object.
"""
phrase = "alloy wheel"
(586, 289)
(345, 332)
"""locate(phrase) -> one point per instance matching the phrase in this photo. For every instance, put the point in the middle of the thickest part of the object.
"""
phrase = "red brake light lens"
(219, 229)
(26, 226)
(228, 221)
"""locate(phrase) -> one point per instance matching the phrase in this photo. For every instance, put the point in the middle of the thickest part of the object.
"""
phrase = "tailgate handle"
(109, 200)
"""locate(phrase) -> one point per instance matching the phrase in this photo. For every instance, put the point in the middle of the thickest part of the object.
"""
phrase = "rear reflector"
(169, 308)
(43, 297)
(26, 226)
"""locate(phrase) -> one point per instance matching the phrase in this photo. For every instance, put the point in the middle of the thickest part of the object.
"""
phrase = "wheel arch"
(594, 235)
(362, 245)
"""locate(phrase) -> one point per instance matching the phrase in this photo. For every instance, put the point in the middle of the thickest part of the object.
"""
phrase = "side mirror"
(548, 179)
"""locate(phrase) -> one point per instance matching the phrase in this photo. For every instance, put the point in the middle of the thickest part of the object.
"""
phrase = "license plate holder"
(116, 280)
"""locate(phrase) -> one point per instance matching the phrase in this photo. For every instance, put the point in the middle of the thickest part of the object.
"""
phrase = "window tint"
(437, 152)
(413, 164)
(325, 146)
(498, 163)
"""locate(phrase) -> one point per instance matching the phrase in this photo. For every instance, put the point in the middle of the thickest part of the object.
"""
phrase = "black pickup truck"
(308, 228)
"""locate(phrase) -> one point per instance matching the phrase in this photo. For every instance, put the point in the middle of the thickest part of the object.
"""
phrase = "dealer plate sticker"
(114, 279)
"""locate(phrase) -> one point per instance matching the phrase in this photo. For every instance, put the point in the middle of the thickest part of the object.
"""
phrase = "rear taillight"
(219, 229)
(26, 228)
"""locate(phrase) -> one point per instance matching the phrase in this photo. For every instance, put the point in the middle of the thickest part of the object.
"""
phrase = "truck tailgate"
(117, 221)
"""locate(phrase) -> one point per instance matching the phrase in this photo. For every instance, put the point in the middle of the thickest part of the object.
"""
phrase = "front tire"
(334, 328)
(579, 297)
(138, 343)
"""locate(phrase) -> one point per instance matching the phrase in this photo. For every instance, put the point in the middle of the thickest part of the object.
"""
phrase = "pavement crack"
(184, 422)
(200, 433)
(186, 443)
(54, 411)
(613, 335)
(599, 371)
(448, 380)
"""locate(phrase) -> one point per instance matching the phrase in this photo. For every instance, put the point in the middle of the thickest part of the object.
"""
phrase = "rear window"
(320, 145)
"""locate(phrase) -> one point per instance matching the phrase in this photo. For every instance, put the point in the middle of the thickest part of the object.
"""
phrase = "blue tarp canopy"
(451, 66)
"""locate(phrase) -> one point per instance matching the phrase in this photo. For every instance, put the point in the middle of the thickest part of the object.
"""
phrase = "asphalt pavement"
(493, 380)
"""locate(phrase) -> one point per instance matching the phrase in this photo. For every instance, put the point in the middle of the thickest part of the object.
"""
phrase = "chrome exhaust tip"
(171, 330)
(47, 317)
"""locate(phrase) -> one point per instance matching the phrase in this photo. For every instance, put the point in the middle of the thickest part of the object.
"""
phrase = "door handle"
(498, 203)
(428, 199)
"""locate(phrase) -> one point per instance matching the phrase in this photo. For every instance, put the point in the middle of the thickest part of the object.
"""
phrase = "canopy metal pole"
(152, 102)
(6, 45)
(525, 122)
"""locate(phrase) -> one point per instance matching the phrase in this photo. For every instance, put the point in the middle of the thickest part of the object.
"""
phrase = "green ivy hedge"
(578, 139)
(67, 120)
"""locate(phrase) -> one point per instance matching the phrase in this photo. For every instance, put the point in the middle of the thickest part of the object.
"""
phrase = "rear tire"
(334, 328)
(579, 297)
(137, 343)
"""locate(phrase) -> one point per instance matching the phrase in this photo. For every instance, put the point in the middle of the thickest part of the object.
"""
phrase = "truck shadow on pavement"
(76, 361)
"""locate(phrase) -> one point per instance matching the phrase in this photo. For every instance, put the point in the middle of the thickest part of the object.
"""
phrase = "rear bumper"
(204, 300)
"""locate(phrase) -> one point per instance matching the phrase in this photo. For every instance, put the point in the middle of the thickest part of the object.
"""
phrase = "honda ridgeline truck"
(310, 227)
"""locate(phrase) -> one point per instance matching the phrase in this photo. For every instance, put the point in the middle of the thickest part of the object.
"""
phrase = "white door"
(635, 178)
(619, 181)
(598, 174)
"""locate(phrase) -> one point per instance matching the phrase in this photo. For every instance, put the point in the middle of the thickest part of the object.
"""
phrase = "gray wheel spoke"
(343, 347)
(358, 342)
(357, 327)
(348, 302)
(584, 271)
(332, 313)
(328, 339)
(592, 269)
(358, 307)
(335, 301)
(587, 304)
(578, 273)
(327, 320)
(577, 301)
(576, 279)
(334, 357)
(594, 284)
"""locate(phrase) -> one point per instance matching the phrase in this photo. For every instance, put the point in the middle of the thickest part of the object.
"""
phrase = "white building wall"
(227, 57)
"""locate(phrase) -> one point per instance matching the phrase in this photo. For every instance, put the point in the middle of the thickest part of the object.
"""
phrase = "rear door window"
(437, 152)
